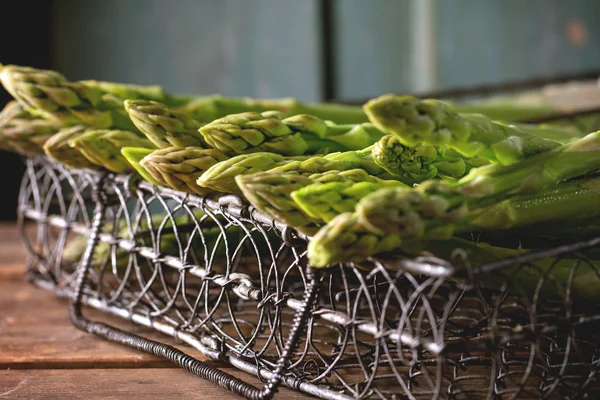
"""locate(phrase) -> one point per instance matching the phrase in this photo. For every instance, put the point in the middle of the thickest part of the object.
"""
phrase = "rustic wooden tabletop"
(42, 356)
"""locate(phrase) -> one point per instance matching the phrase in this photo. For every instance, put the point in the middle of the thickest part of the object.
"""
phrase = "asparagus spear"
(271, 193)
(324, 201)
(164, 126)
(178, 167)
(340, 161)
(221, 176)
(421, 162)
(49, 94)
(210, 244)
(210, 108)
(134, 156)
(103, 147)
(485, 185)
(58, 148)
(559, 133)
(518, 278)
(301, 134)
(433, 122)
(11, 111)
(437, 210)
(22, 132)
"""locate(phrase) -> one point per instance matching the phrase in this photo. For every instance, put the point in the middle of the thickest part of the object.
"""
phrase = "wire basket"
(220, 276)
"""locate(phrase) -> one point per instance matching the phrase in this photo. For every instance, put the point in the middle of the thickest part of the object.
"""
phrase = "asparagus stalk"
(421, 162)
(324, 201)
(505, 110)
(210, 244)
(134, 156)
(519, 278)
(13, 110)
(433, 122)
(103, 147)
(437, 201)
(559, 133)
(164, 126)
(179, 168)
(22, 132)
(57, 147)
(271, 193)
(49, 94)
(301, 134)
(210, 108)
(339, 161)
(437, 210)
(221, 176)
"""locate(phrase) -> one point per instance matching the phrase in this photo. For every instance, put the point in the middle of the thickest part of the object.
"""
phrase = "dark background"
(309, 49)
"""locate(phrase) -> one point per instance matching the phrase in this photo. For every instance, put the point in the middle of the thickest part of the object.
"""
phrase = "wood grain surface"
(42, 356)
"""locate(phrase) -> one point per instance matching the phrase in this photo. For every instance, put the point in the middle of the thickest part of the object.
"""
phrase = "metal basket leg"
(179, 357)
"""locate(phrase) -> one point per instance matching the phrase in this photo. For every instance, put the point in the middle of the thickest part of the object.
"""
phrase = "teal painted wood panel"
(490, 41)
(372, 42)
(261, 48)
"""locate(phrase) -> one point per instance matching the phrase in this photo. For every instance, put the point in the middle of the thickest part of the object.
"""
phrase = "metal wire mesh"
(228, 280)
(221, 277)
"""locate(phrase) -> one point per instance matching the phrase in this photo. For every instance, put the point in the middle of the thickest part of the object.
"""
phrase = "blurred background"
(313, 50)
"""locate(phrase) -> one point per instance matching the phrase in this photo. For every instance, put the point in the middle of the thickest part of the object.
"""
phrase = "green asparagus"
(436, 210)
(221, 176)
(57, 147)
(271, 193)
(297, 135)
(49, 94)
(433, 122)
(324, 201)
(22, 132)
(421, 162)
(164, 126)
(103, 147)
(180, 167)
(210, 108)
(134, 156)
(340, 161)
(518, 278)
(210, 244)
(483, 186)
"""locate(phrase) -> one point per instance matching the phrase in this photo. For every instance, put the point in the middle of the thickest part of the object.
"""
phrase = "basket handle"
(180, 358)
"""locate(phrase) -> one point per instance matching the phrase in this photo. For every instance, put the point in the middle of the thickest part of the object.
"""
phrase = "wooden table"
(42, 356)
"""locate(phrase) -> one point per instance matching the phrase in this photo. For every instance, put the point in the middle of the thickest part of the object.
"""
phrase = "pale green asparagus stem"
(103, 147)
(439, 210)
(134, 156)
(221, 176)
(433, 122)
(22, 132)
(179, 168)
(164, 126)
(324, 201)
(51, 95)
(271, 193)
(301, 134)
(418, 163)
(518, 278)
(57, 147)
(210, 108)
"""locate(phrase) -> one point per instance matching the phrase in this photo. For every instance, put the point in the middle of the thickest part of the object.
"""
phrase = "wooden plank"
(12, 261)
(35, 332)
(262, 48)
(116, 384)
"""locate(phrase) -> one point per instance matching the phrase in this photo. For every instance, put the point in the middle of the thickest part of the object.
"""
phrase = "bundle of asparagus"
(400, 173)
